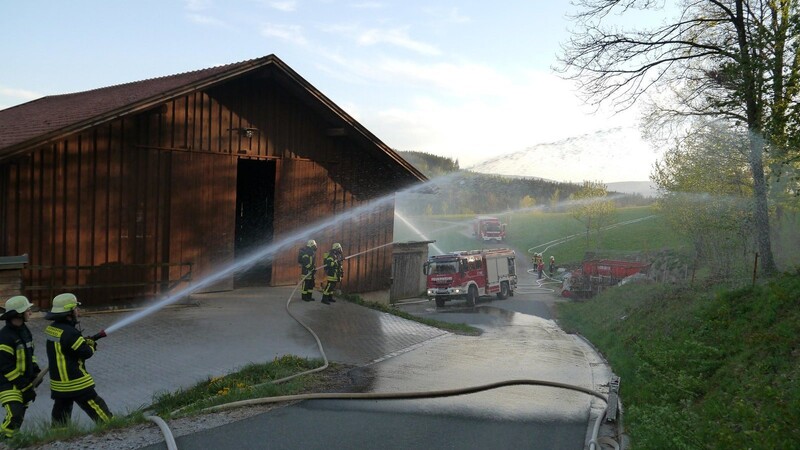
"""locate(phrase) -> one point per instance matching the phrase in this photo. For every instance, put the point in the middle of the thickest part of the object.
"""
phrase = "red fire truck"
(471, 274)
(488, 229)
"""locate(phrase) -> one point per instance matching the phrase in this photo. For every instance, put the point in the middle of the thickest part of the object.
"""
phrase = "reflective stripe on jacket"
(333, 267)
(17, 362)
(307, 259)
(66, 352)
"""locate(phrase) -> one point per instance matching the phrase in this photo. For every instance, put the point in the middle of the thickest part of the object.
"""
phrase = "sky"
(469, 80)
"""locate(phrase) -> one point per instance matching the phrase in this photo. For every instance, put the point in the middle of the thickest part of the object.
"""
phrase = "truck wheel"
(503, 294)
(439, 302)
(472, 296)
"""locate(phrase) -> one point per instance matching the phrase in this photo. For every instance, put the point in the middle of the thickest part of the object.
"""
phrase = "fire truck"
(488, 229)
(471, 274)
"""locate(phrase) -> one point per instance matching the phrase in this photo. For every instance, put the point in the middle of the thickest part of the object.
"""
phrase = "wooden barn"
(130, 191)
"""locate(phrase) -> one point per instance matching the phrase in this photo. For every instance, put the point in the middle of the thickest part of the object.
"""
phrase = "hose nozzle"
(100, 334)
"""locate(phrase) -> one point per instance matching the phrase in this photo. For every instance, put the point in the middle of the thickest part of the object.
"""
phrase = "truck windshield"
(492, 227)
(444, 267)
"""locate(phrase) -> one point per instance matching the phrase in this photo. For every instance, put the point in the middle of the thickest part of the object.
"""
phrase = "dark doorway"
(255, 200)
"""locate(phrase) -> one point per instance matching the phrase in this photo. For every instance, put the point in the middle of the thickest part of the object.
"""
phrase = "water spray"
(268, 251)
(416, 230)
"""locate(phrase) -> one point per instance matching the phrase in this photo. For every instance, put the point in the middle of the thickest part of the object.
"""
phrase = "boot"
(307, 297)
(331, 299)
(325, 299)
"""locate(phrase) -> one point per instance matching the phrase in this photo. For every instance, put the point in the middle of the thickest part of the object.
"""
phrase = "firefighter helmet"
(312, 243)
(16, 306)
(337, 246)
(63, 304)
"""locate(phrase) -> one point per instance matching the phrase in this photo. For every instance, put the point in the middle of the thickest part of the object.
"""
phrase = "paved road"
(213, 334)
(513, 345)
(216, 333)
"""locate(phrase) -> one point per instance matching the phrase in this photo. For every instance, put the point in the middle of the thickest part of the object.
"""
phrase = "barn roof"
(38, 122)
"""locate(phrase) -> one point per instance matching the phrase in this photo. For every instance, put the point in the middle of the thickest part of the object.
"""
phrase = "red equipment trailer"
(597, 274)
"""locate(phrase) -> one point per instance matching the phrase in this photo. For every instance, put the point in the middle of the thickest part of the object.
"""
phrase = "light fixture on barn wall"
(244, 131)
(335, 132)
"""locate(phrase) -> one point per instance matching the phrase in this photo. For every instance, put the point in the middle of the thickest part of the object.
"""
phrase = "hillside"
(701, 367)
(467, 192)
(605, 156)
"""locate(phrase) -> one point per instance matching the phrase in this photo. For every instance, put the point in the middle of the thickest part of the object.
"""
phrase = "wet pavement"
(216, 333)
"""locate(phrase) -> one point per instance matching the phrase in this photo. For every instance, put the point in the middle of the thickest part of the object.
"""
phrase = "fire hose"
(169, 439)
(593, 442)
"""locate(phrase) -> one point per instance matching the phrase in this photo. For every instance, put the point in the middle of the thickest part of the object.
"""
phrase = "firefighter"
(67, 351)
(18, 367)
(552, 264)
(539, 264)
(333, 271)
(306, 259)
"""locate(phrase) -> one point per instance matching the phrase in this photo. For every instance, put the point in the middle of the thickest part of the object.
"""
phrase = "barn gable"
(131, 190)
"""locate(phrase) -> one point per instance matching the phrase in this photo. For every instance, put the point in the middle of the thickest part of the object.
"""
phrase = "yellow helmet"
(63, 304)
(336, 246)
(16, 306)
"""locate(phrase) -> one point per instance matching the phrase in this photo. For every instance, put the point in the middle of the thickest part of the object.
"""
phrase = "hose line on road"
(168, 438)
(401, 395)
(593, 442)
(539, 286)
(393, 395)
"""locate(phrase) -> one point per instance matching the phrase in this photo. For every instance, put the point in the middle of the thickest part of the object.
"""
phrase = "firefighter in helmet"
(306, 259)
(18, 368)
(67, 352)
(333, 272)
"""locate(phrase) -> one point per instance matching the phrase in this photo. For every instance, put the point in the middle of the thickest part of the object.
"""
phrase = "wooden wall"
(159, 187)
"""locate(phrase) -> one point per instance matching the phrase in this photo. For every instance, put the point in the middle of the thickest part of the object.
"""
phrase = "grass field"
(701, 367)
(528, 230)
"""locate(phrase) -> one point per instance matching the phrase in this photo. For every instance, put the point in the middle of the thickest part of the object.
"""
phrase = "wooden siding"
(121, 201)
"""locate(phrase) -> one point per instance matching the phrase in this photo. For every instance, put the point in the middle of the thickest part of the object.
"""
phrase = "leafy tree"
(527, 202)
(707, 190)
(591, 206)
(734, 60)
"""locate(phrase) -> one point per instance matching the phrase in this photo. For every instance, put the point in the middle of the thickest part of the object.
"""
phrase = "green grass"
(251, 381)
(458, 328)
(701, 367)
(529, 230)
(42, 433)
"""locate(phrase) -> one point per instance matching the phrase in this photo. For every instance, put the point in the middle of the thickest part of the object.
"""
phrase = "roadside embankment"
(701, 367)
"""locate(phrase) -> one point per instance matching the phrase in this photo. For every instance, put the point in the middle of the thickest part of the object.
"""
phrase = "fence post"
(755, 269)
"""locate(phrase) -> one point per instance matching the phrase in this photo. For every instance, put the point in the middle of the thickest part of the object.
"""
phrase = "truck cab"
(470, 275)
(489, 229)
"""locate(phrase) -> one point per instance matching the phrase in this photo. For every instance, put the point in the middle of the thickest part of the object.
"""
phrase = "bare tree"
(735, 60)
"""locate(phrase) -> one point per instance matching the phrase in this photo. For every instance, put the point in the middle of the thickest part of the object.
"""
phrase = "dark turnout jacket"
(66, 351)
(17, 362)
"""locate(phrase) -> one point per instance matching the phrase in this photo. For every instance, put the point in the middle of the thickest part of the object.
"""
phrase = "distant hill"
(478, 193)
(430, 165)
(643, 188)
(610, 156)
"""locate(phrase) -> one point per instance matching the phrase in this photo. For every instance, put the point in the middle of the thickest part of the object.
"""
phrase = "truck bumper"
(448, 292)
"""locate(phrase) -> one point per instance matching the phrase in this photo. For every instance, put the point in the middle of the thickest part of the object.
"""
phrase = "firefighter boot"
(325, 299)
(307, 297)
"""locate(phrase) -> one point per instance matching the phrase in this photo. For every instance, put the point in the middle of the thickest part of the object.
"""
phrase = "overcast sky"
(468, 80)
